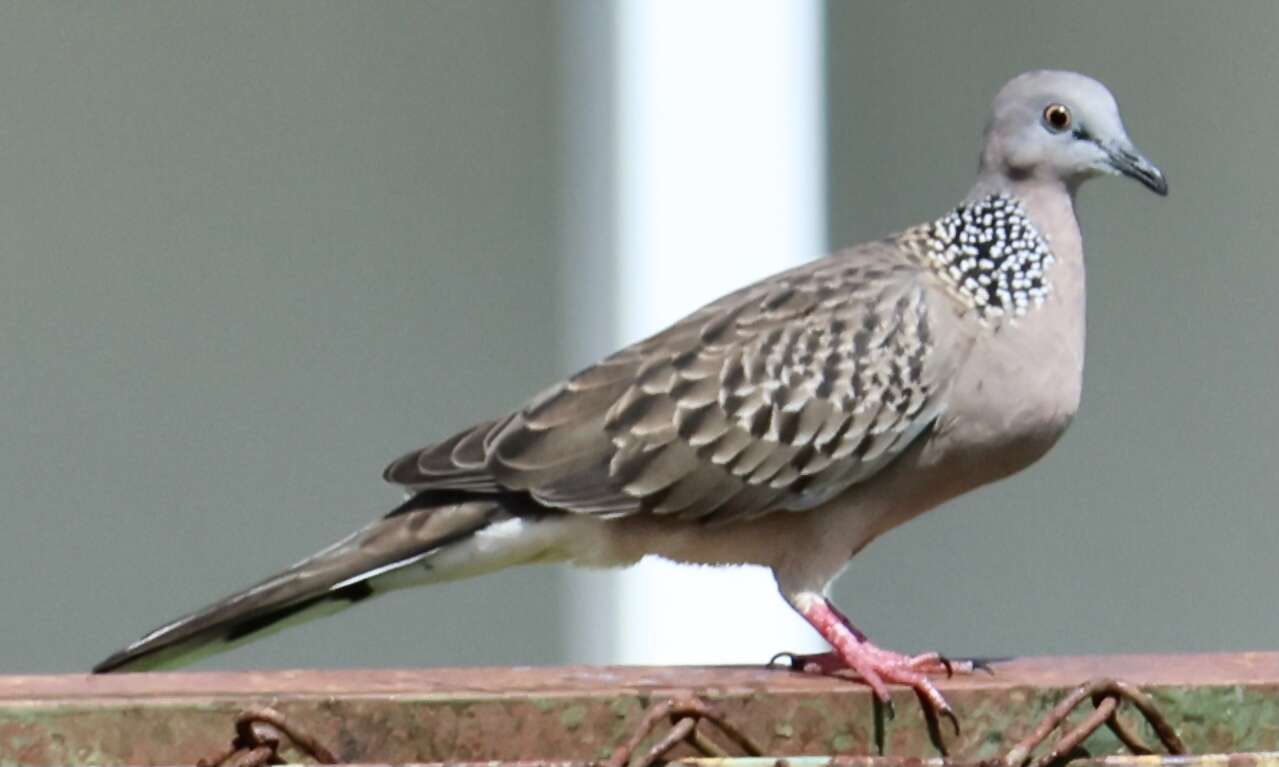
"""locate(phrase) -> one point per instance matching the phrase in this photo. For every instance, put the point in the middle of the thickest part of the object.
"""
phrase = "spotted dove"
(786, 424)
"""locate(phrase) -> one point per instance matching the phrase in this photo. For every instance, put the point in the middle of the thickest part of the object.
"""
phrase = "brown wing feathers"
(777, 396)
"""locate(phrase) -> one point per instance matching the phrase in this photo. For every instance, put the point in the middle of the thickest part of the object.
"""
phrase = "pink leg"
(844, 619)
(873, 665)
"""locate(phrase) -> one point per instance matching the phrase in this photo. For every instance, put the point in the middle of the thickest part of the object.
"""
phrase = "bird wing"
(777, 396)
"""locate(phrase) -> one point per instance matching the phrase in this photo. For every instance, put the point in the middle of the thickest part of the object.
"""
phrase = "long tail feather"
(391, 552)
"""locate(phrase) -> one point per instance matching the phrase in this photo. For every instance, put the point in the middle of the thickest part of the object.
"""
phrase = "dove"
(787, 424)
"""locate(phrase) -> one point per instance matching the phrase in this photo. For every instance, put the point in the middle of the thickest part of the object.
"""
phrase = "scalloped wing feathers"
(778, 396)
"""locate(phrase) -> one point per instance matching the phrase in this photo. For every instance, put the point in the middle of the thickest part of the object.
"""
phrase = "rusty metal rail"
(1269, 759)
(262, 733)
(1219, 704)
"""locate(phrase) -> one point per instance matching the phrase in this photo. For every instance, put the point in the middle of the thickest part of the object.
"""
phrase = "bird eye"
(1057, 118)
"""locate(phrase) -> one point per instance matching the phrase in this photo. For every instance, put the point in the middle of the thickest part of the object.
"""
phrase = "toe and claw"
(854, 656)
(878, 668)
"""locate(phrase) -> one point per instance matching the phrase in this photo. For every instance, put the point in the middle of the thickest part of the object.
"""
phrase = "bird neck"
(1050, 203)
(1050, 206)
(991, 255)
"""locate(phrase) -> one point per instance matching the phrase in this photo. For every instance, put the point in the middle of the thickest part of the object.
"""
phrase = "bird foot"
(833, 664)
(878, 668)
(854, 656)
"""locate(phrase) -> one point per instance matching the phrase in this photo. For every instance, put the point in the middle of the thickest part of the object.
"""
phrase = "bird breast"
(1020, 387)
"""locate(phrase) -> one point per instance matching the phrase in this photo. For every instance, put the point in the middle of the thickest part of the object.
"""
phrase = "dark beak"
(1130, 163)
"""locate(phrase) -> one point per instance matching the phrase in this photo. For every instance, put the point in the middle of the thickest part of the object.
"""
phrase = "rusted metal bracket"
(684, 716)
(1106, 696)
(259, 735)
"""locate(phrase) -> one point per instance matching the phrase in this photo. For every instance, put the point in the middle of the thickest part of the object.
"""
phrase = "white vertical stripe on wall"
(719, 182)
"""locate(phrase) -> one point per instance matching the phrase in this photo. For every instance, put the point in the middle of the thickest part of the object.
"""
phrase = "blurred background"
(251, 252)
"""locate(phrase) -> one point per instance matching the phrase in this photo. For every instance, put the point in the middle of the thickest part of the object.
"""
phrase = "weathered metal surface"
(1266, 759)
(1219, 703)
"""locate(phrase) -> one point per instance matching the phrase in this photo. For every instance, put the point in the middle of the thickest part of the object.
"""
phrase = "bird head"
(1062, 126)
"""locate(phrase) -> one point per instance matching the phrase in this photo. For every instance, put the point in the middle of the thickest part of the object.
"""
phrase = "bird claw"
(966, 665)
(885, 666)
(852, 654)
(947, 713)
(935, 709)
(792, 661)
(985, 664)
(821, 664)
(954, 720)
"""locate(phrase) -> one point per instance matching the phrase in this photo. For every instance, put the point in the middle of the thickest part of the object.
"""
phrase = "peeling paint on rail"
(1219, 703)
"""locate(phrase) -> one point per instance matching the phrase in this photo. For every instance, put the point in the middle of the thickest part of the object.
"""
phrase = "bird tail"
(423, 541)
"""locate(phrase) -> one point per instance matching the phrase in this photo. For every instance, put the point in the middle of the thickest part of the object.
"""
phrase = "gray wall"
(248, 253)
(1152, 526)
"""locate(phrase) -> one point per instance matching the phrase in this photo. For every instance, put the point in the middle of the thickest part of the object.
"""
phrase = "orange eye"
(1057, 118)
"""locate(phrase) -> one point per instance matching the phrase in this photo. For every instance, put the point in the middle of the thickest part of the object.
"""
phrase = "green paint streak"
(573, 716)
(623, 707)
